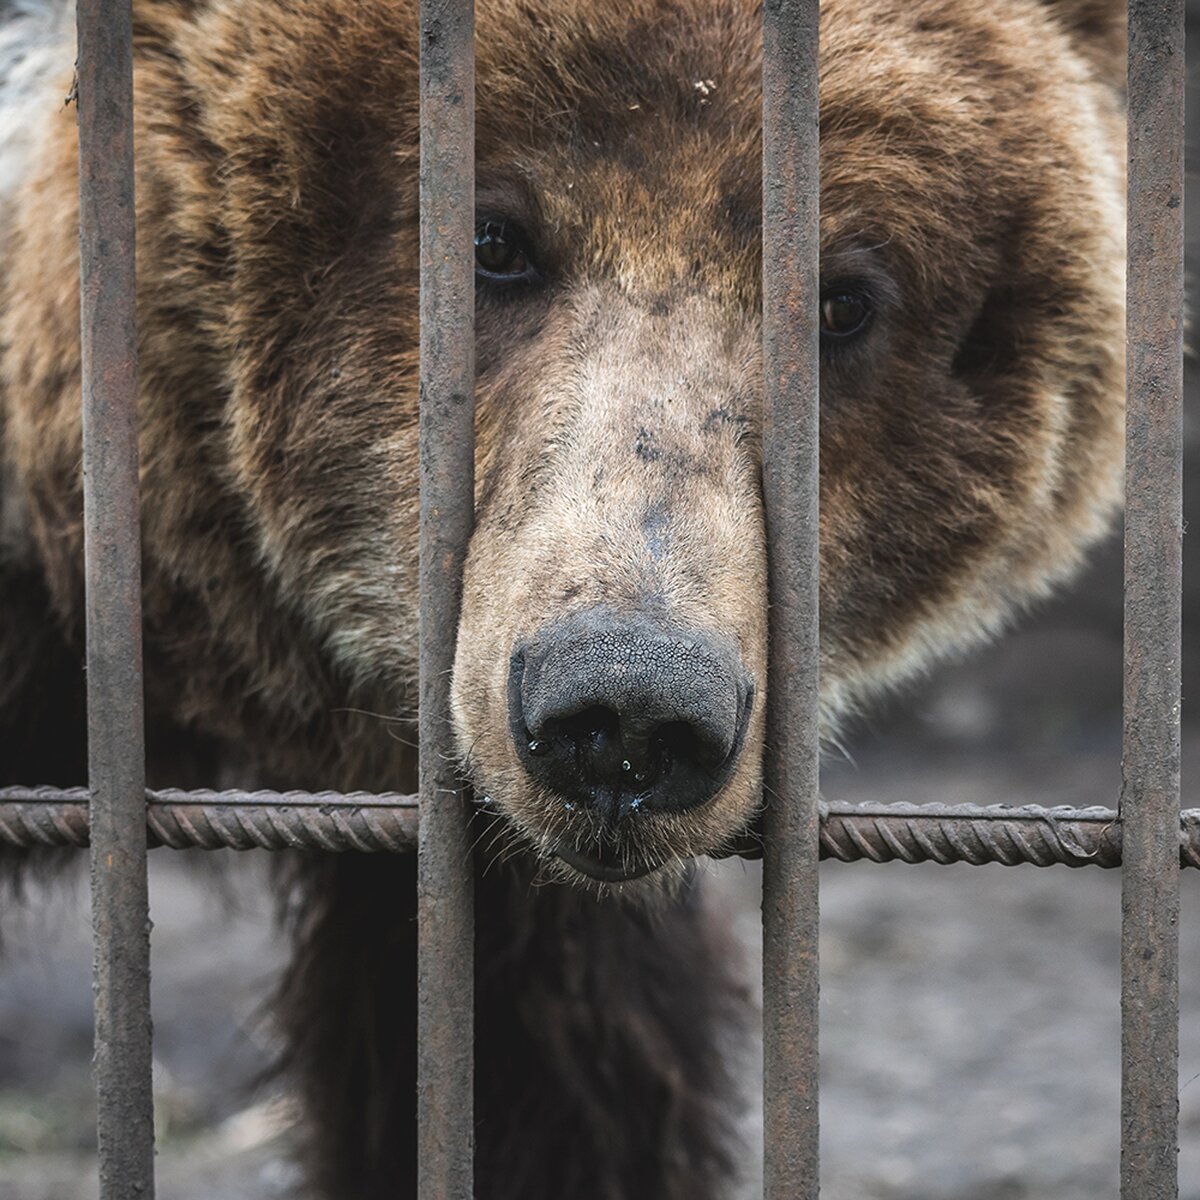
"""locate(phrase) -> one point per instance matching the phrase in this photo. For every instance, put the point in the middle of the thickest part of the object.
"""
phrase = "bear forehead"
(636, 128)
(615, 78)
(596, 64)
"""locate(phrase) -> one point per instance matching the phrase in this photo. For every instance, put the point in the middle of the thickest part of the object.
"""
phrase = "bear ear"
(1098, 27)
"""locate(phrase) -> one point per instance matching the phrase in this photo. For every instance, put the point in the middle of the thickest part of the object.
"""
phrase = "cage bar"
(1150, 797)
(445, 1001)
(373, 822)
(116, 764)
(791, 247)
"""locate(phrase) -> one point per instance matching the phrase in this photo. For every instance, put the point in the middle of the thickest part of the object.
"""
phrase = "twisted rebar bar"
(215, 820)
(366, 821)
(965, 833)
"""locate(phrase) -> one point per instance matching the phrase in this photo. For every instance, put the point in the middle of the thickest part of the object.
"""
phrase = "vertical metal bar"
(445, 1028)
(791, 247)
(1153, 544)
(108, 330)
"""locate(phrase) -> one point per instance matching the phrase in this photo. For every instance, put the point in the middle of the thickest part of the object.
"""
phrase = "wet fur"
(971, 159)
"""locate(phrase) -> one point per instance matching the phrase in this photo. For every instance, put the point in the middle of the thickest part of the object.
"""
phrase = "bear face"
(970, 388)
(609, 685)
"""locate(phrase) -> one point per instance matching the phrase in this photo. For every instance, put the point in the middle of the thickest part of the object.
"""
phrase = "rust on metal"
(230, 820)
(1150, 797)
(791, 248)
(116, 770)
(445, 988)
(967, 833)
(369, 822)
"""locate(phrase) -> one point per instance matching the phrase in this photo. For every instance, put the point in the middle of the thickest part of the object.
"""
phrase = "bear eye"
(843, 314)
(500, 252)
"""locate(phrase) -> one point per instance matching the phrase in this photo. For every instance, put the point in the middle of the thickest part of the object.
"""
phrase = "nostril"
(593, 724)
(678, 740)
(594, 736)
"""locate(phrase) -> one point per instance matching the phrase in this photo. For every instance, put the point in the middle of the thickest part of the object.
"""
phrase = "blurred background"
(970, 1015)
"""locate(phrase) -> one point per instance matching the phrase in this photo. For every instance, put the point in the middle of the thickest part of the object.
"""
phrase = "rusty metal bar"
(1150, 798)
(445, 999)
(388, 822)
(233, 820)
(966, 833)
(791, 482)
(116, 771)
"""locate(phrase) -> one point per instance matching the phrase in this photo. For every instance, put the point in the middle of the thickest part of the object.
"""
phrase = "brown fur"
(971, 174)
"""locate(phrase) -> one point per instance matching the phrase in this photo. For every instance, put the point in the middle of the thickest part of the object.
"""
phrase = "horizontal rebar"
(373, 821)
(210, 820)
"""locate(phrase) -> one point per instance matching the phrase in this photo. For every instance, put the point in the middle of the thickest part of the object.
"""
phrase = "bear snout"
(624, 717)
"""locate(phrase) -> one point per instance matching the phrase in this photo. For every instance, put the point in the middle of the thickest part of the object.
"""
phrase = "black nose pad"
(623, 717)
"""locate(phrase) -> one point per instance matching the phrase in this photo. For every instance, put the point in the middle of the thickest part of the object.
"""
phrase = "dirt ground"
(970, 1016)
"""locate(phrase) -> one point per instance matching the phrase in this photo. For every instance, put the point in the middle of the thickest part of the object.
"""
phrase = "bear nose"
(628, 717)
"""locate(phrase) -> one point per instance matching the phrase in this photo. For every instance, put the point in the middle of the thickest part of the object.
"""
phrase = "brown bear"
(609, 684)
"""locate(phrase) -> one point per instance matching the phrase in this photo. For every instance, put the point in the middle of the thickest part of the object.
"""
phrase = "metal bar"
(791, 248)
(231, 820)
(1150, 798)
(116, 772)
(966, 833)
(388, 822)
(445, 1001)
